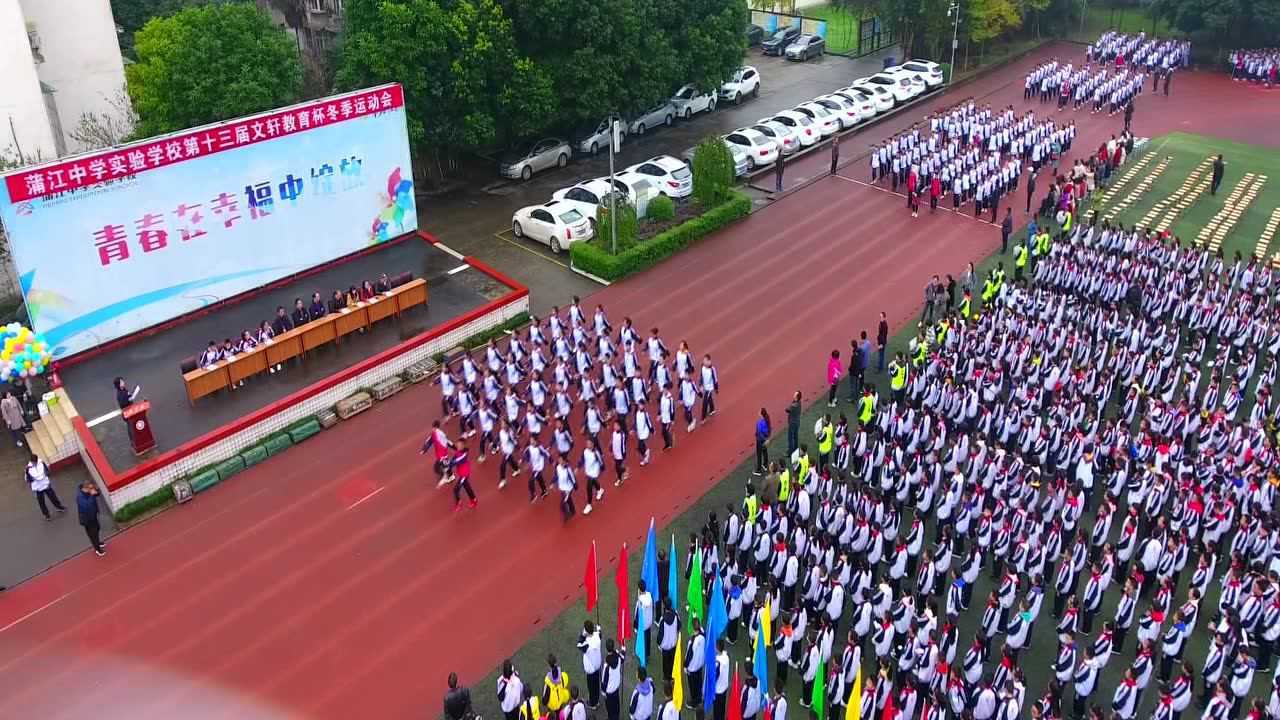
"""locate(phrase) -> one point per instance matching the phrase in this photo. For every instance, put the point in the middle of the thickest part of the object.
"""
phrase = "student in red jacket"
(935, 192)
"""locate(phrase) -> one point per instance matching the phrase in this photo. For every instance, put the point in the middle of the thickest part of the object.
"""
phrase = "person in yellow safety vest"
(867, 406)
(752, 504)
(944, 327)
(1067, 222)
(802, 463)
(922, 352)
(784, 486)
(1043, 242)
(988, 289)
(999, 273)
(966, 305)
(530, 708)
(1019, 261)
(898, 378)
(826, 441)
(555, 686)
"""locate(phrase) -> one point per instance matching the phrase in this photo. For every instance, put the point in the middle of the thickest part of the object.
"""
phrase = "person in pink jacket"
(833, 377)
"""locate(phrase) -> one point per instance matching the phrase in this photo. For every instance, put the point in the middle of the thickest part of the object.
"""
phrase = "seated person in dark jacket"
(282, 324)
(317, 308)
(338, 302)
(383, 284)
(301, 316)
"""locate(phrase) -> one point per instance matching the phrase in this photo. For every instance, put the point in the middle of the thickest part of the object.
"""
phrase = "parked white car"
(879, 94)
(664, 113)
(740, 161)
(556, 224)
(760, 148)
(587, 196)
(671, 174)
(786, 137)
(866, 103)
(930, 72)
(744, 82)
(901, 87)
(802, 125)
(845, 110)
(689, 100)
(917, 84)
(827, 122)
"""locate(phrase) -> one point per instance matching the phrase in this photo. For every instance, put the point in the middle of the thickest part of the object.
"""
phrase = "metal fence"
(845, 36)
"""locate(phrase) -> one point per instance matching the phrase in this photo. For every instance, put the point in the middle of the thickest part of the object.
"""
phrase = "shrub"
(661, 208)
(158, 499)
(946, 72)
(628, 226)
(712, 171)
(596, 261)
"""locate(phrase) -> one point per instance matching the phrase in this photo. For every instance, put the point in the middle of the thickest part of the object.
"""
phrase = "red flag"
(734, 709)
(890, 712)
(593, 588)
(624, 586)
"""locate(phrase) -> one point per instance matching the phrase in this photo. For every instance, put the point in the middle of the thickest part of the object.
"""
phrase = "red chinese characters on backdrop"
(89, 170)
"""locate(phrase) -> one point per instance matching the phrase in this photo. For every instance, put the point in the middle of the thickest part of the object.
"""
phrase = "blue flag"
(673, 577)
(649, 569)
(717, 621)
(641, 645)
(761, 667)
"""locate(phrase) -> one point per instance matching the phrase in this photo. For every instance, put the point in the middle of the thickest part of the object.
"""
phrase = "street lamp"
(953, 11)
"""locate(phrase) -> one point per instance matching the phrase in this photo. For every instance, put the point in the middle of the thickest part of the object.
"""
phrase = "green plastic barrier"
(278, 443)
(229, 467)
(302, 432)
(254, 455)
(204, 481)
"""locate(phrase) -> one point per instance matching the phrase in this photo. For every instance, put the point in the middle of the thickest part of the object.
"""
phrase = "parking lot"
(477, 222)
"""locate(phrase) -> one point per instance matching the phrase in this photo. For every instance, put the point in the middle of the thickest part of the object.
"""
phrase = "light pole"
(615, 141)
(953, 12)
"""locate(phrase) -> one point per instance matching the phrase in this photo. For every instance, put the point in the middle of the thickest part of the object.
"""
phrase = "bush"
(946, 72)
(661, 208)
(156, 500)
(713, 174)
(628, 226)
(591, 259)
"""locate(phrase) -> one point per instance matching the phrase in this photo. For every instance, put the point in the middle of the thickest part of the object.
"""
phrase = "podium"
(139, 427)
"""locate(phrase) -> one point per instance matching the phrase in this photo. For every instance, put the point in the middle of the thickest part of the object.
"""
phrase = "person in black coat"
(87, 508)
(301, 315)
(281, 324)
(317, 309)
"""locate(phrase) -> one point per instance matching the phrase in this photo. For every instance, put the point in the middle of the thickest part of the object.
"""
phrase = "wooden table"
(296, 342)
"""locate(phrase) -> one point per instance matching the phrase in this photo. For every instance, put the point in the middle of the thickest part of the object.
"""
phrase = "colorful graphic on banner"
(114, 242)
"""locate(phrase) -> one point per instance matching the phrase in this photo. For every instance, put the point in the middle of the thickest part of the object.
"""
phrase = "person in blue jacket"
(763, 428)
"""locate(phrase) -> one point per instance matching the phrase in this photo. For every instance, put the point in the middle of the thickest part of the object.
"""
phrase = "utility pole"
(615, 141)
(953, 12)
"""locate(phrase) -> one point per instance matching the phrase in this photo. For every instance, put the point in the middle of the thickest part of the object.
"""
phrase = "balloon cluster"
(22, 352)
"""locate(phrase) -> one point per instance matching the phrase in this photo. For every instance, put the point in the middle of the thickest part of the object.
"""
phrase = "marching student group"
(627, 391)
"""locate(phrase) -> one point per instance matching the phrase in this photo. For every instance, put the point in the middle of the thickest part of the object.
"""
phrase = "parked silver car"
(521, 163)
(664, 113)
(592, 138)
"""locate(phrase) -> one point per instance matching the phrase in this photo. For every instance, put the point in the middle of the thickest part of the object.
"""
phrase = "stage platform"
(152, 361)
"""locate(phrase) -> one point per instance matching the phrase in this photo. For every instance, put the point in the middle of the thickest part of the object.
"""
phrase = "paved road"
(477, 221)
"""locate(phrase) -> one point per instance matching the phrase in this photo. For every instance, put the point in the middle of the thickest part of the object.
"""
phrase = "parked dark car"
(805, 47)
(779, 41)
(755, 35)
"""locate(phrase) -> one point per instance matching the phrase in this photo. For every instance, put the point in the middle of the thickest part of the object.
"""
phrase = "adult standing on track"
(1006, 229)
(87, 508)
(1031, 189)
(882, 340)
(763, 428)
(38, 479)
(1219, 168)
(833, 377)
(793, 424)
(835, 152)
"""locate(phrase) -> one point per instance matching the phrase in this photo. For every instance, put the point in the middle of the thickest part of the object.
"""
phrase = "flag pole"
(597, 578)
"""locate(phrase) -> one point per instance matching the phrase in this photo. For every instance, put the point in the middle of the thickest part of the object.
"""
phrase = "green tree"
(210, 63)
(713, 171)
(990, 19)
(131, 15)
(467, 86)
(710, 40)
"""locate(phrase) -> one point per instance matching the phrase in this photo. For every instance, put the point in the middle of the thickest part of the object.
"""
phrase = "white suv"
(745, 81)
(671, 175)
(689, 100)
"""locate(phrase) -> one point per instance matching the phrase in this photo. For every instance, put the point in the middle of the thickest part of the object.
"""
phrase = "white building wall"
(22, 109)
(82, 57)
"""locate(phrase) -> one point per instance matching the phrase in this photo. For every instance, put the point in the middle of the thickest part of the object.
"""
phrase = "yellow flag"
(677, 676)
(853, 709)
(766, 623)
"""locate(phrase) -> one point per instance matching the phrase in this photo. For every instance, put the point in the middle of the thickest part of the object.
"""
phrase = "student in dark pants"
(763, 428)
(1006, 229)
(1219, 167)
(793, 424)
(777, 166)
(42, 486)
(87, 505)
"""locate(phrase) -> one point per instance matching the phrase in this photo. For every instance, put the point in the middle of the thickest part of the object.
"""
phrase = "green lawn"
(842, 26)
(1100, 17)
(560, 634)
(1180, 154)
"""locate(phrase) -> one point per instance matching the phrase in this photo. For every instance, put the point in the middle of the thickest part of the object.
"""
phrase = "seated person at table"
(265, 333)
(301, 316)
(367, 291)
(337, 302)
(353, 296)
(247, 342)
(384, 284)
(210, 356)
(229, 351)
(281, 324)
(317, 309)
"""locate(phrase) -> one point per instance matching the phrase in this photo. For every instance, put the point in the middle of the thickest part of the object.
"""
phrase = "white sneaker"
(442, 482)
(502, 484)
(587, 510)
(599, 493)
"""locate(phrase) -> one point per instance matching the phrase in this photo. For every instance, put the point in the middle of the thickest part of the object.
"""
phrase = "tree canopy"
(209, 63)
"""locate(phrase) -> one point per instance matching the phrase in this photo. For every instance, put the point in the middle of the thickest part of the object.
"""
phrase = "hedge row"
(481, 339)
(598, 262)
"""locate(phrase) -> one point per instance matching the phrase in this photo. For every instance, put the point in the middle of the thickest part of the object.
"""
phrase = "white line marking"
(459, 269)
(355, 504)
(99, 420)
(35, 612)
(450, 250)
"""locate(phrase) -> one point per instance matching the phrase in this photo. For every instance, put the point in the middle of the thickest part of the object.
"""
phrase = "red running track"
(331, 583)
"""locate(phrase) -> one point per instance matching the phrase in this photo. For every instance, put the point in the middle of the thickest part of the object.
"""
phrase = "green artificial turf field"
(559, 634)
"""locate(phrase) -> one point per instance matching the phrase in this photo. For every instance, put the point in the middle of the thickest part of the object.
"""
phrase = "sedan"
(900, 87)
(778, 42)
(689, 100)
(805, 47)
(866, 104)
(524, 162)
(587, 197)
(802, 125)
(879, 94)
(744, 82)
(760, 148)
(741, 162)
(827, 122)
(590, 139)
(555, 224)
(844, 109)
(786, 138)
(671, 174)
(755, 35)
(664, 113)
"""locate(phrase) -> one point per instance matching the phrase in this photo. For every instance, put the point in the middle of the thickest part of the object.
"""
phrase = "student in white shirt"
(589, 644)
(710, 387)
(38, 479)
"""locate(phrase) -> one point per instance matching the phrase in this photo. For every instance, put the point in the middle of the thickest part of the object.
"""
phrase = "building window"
(317, 6)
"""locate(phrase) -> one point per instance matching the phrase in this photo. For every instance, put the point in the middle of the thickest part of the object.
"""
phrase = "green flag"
(694, 594)
(819, 699)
